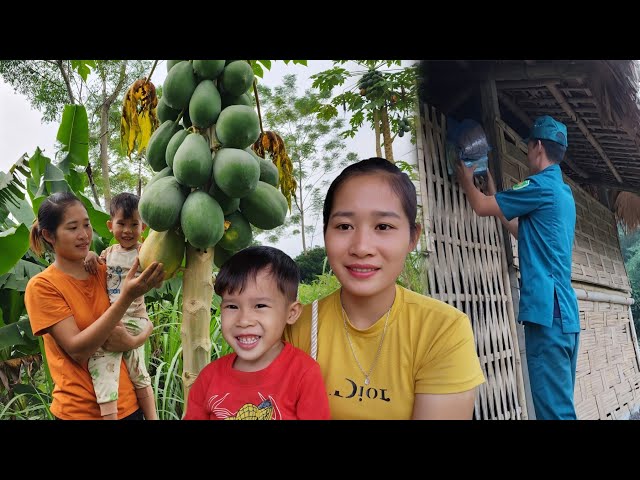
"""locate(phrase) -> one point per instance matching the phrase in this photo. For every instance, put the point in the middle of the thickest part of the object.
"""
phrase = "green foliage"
(633, 269)
(41, 82)
(73, 135)
(630, 248)
(14, 243)
(323, 285)
(258, 66)
(629, 243)
(91, 83)
(315, 148)
(414, 273)
(311, 264)
(397, 92)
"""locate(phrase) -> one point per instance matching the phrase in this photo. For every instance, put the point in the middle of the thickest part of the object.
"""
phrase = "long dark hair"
(399, 182)
(50, 215)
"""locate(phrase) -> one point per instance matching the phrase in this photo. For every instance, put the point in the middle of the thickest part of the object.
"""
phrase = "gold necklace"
(375, 360)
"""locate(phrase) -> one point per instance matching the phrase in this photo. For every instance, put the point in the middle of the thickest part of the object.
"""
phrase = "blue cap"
(548, 128)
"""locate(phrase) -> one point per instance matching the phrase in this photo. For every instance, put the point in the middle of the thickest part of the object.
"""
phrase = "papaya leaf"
(14, 243)
(266, 64)
(329, 79)
(257, 69)
(73, 134)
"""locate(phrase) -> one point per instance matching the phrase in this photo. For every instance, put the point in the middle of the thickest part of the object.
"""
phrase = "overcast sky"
(22, 129)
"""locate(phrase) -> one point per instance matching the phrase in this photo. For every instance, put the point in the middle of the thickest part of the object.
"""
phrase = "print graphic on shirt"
(114, 279)
(521, 185)
(266, 409)
(363, 392)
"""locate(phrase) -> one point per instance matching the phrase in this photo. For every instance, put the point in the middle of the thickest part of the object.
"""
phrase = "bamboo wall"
(467, 269)
(608, 372)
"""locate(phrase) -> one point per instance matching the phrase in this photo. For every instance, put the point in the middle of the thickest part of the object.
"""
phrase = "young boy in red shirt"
(265, 378)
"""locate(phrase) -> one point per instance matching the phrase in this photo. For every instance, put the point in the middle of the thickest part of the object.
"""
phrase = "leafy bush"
(311, 264)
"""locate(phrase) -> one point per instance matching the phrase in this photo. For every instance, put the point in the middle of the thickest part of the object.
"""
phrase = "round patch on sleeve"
(521, 185)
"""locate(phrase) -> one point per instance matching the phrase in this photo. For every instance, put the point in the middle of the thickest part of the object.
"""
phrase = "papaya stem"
(180, 116)
(255, 93)
(151, 72)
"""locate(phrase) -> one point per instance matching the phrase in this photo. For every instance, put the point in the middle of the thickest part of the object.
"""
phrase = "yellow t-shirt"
(428, 348)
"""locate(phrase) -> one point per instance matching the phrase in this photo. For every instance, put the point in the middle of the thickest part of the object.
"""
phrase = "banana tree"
(29, 181)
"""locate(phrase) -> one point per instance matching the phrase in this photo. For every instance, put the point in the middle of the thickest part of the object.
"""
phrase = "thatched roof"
(596, 99)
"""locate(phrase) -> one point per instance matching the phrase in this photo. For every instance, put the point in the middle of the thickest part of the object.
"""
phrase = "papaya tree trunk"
(386, 135)
(196, 315)
(376, 126)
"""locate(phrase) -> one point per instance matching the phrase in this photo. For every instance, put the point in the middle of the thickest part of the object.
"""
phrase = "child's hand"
(91, 262)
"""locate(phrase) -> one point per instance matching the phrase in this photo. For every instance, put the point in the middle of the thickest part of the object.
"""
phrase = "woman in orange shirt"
(70, 308)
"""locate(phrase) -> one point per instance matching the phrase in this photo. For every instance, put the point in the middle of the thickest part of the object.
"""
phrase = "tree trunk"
(301, 208)
(386, 135)
(104, 127)
(104, 145)
(376, 126)
(196, 315)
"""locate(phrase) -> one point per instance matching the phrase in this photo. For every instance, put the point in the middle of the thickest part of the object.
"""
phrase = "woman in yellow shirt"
(385, 352)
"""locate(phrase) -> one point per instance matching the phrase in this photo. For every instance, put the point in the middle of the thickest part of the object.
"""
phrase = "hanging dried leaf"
(272, 143)
(139, 120)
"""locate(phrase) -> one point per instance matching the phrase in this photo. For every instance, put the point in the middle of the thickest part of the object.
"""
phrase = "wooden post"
(490, 116)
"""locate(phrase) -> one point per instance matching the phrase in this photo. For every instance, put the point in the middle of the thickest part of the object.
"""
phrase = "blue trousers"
(551, 360)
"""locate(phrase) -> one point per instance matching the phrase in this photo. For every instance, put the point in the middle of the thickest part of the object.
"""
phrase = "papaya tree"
(315, 147)
(207, 111)
(381, 92)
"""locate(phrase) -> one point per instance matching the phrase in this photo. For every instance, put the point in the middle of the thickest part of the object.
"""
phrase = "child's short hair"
(127, 202)
(248, 262)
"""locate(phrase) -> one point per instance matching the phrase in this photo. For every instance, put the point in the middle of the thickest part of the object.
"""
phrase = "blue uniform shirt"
(546, 215)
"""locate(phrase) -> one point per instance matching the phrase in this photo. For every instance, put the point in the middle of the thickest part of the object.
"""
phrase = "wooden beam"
(572, 165)
(555, 91)
(612, 186)
(517, 111)
(514, 108)
(522, 71)
(524, 84)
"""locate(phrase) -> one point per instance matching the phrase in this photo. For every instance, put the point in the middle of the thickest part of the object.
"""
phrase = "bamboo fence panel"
(467, 269)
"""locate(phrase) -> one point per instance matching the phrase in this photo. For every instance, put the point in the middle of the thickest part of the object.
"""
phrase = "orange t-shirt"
(52, 296)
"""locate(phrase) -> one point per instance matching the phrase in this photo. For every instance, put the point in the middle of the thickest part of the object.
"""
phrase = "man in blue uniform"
(540, 212)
